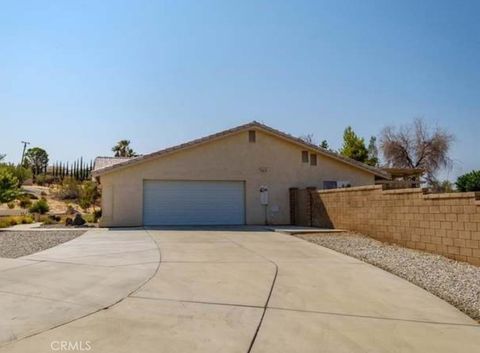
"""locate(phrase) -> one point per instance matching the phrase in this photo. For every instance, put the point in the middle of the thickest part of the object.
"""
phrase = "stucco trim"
(252, 125)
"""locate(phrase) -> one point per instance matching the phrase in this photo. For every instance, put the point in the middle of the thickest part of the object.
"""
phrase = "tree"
(122, 149)
(354, 146)
(469, 181)
(417, 145)
(19, 172)
(36, 158)
(324, 144)
(8, 186)
(2, 156)
(308, 138)
(372, 152)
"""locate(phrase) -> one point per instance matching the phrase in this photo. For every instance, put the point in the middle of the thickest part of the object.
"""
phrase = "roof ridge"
(238, 128)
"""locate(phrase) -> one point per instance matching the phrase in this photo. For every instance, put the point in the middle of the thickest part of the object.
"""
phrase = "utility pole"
(25, 143)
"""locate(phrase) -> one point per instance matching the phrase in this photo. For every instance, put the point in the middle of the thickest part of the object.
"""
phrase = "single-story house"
(237, 176)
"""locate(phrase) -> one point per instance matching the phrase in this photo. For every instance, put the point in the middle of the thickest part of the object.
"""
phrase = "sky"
(77, 76)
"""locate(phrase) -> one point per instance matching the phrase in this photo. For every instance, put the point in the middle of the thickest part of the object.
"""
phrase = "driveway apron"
(218, 290)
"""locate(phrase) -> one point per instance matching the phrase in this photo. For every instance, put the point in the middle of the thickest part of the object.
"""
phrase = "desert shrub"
(14, 220)
(24, 201)
(469, 181)
(11, 205)
(88, 194)
(48, 220)
(93, 217)
(40, 179)
(40, 206)
(442, 186)
(68, 190)
(7, 222)
(89, 218)
(26, 220)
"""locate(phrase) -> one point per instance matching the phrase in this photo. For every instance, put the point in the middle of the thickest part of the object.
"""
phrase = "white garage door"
(179, 202)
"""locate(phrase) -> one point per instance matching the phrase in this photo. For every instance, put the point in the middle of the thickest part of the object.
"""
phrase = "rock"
(78, 220)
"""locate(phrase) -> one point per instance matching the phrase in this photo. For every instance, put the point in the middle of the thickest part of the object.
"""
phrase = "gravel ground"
(14, 244)
(455, 282)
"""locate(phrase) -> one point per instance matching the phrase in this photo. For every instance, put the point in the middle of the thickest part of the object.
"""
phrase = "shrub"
(88, 194)
(442, 186)
(48, 220)
(93, 217)
(469, 181)
(69, 190)
(11, 205)
(14, 220)
(18, 172)
(25, 201)
(89, 217)
(40, 206)
(40, 179)
(8, 186)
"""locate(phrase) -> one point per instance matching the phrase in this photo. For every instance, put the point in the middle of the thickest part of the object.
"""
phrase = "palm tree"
(122, 149)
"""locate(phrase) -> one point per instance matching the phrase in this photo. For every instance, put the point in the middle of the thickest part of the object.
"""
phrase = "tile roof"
(252, 125)
(104, 162)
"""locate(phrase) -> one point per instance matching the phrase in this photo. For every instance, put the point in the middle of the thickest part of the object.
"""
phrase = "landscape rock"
(78, 220)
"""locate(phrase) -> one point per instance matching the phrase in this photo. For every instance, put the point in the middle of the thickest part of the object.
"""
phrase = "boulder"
(78, 220)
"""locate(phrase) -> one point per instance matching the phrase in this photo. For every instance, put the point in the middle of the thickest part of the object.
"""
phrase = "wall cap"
(453, 195)
(404, 191)
(355, 188)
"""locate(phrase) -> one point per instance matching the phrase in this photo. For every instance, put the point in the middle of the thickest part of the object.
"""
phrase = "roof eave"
(225, 133)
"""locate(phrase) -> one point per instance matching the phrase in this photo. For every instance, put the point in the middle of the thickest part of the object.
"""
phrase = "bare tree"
(308, 138)
(417, 145)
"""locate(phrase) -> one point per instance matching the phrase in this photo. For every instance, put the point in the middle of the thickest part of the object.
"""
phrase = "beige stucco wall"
(230, 158)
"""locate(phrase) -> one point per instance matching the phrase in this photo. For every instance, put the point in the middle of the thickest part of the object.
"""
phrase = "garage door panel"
(193, 202)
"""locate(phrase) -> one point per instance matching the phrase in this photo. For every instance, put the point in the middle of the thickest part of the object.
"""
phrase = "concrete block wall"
(446, 224)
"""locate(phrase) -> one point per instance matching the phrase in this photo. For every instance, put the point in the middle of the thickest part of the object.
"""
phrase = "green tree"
(8, 186)
(354, 146)
(122, 149)
(36, 158)
(469, 181)
(324, 144)
(372, 152)
(17, 171)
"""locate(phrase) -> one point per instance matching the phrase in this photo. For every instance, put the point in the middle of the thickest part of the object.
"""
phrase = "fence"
(446, 224)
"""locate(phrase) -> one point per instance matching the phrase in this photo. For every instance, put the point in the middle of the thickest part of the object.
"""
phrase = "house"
(237, 176)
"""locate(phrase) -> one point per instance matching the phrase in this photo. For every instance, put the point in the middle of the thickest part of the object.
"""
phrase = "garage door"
(193, 202)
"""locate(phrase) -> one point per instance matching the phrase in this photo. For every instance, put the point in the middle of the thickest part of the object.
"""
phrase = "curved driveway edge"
(219, 291)
(61, 284)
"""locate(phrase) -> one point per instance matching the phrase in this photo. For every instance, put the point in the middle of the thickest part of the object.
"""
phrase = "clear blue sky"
(76, 76)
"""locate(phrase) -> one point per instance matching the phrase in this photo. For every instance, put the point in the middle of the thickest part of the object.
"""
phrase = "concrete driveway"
(228, 290)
